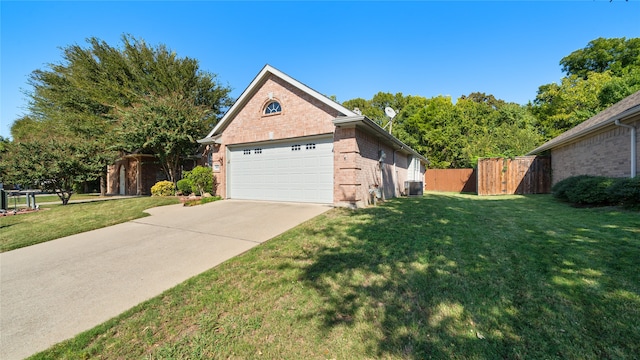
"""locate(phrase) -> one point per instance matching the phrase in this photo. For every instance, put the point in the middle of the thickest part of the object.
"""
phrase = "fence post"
(3, 200)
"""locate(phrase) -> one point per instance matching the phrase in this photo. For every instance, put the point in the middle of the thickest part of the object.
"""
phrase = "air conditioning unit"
(413, 188)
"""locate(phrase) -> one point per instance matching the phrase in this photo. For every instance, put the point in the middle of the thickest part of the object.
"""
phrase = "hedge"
(598, 191)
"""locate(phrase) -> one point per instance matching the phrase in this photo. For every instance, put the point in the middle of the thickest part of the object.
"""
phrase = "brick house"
(283, 141)
(604, 145)
(135, 174)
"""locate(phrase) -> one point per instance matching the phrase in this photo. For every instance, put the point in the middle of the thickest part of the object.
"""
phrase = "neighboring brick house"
(283, 141)
(604, 145)
(135, 174)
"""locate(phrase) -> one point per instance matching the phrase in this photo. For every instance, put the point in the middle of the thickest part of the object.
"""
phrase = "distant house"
(135, 174)
(604, 145)
(283, 141)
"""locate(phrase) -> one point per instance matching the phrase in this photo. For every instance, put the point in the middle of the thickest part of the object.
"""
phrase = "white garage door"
(300, 171)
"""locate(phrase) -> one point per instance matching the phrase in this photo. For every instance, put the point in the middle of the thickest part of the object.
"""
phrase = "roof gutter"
(633, 145)
(209, 140)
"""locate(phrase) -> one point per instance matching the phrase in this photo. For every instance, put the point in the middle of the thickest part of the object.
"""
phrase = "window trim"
(267, 103)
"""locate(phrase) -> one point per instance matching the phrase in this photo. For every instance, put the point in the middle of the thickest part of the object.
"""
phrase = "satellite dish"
(390, 112)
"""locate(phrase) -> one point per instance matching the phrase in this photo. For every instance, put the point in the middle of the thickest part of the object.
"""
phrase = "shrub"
(560, 189)
(598, 191)
(163, 188)
(625, 191)
(591, 190)
(201, 179)
(184, 186)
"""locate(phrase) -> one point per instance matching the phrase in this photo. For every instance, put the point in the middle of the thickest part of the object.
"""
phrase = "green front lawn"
(444, 276)
(56, 221)
(21, 202)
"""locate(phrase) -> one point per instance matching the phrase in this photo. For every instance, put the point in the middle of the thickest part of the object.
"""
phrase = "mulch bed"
(21, 211)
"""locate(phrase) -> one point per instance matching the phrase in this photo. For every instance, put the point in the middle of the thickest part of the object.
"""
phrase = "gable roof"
(266, 71)
(345, 117)
(625, 108)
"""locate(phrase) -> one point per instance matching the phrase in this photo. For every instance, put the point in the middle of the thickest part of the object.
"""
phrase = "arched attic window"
(273, 107)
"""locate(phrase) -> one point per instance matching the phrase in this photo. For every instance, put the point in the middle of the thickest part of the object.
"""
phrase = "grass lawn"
(20, 201)
(56, 221)
(443, 276)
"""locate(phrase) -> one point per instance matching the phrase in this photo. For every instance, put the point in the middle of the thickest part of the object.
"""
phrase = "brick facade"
(301, 115)
(605, 153)
(141, 173)
(306, 113)
(357, 172)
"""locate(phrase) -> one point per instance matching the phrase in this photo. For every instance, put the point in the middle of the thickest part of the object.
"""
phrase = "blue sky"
(346, 49)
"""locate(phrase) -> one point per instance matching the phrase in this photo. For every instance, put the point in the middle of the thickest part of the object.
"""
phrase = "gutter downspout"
(633, 146)
(395, 173)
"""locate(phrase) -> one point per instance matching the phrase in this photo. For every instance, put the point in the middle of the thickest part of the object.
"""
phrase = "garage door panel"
(279, 173)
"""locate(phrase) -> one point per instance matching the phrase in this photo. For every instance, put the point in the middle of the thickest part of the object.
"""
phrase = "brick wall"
(302, 115)
(297, 118)
(401, 172)
(346, 184)
(218, 157)
(112, 178)
(606, 153)
(358, 171)
(151, 172)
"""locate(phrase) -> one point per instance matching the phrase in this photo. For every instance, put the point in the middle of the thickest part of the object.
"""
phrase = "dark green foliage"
(601, 54)
(54, 164)
(184, 186)
(136, 98)
(597, 76)
(455, 135)
(561, 188)
(589, 190)
(167, 127)
(625, 191)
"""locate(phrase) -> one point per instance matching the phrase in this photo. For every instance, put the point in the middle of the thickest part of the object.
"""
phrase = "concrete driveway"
(52, 291)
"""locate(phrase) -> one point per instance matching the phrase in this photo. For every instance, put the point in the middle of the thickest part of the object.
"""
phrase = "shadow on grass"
(467, 277)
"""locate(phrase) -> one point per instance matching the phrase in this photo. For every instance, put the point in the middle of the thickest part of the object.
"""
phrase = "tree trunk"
(64, 196)
(103, 184)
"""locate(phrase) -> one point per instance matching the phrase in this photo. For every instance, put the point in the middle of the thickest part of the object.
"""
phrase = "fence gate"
(521, 175)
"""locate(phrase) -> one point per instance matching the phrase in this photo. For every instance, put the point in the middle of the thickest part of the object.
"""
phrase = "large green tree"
(615, 54)
(456, 135)
(175, 104)
(50, 163)
(167, 126)
(96, 98)
(597, 76)
(560, 107)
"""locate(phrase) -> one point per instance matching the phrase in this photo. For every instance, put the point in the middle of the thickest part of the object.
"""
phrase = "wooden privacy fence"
(495, 176)
(453, 180)
(521, 175)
